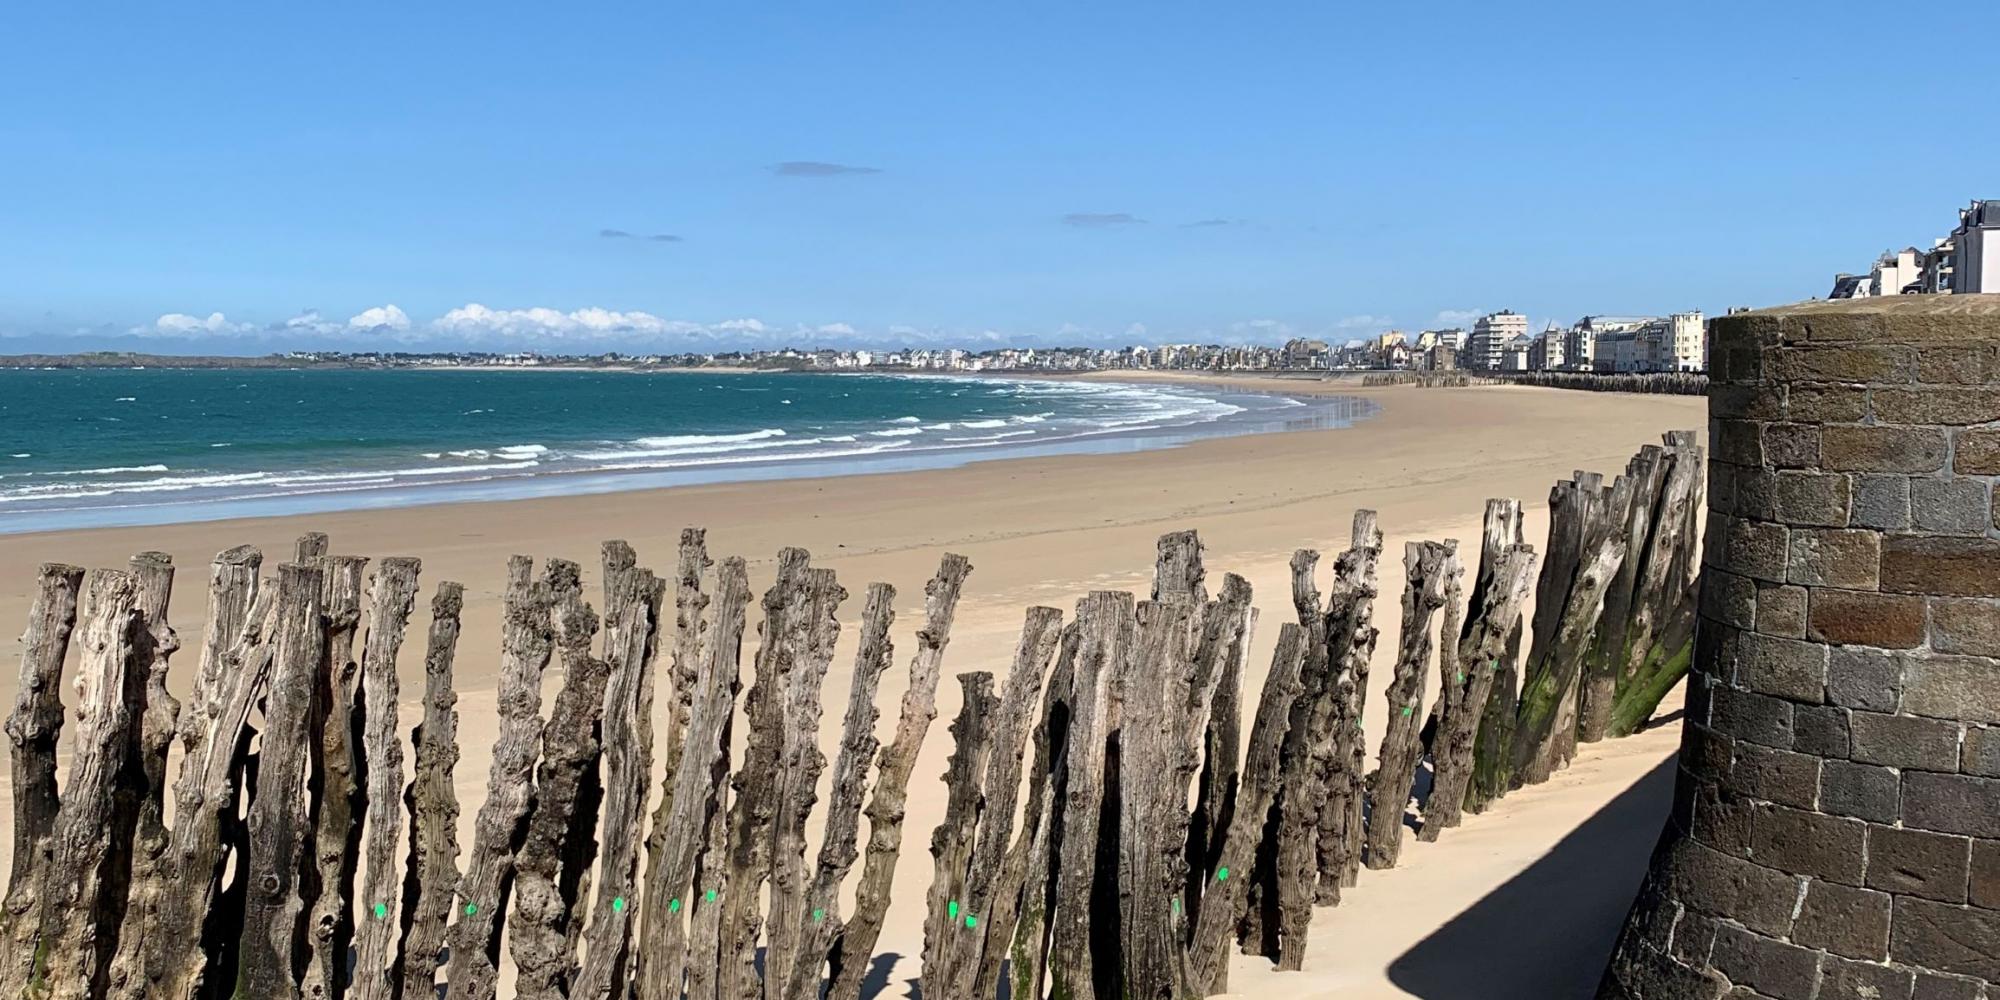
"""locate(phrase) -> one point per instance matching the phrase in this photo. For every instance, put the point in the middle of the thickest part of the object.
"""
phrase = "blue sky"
(251, 177)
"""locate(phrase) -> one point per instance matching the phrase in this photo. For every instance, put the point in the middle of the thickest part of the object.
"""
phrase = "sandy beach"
(1487, 912)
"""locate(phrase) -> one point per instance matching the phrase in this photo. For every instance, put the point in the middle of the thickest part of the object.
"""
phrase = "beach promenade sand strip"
(526, 642)
(1431, 570)
(888, 805)
(391, 598)
(1226, 900)
(820, 920)
(35, 728)
(335, 791)
(1506, 578)
(690, 604)
(992, 872)
(430, 878)
(550, 866)
(952, 842)
(277, 848)
(690, 832)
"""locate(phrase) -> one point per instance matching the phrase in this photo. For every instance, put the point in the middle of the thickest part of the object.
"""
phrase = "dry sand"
(1487, 912)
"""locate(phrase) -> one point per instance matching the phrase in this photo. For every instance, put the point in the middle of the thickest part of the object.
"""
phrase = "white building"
(1975, 266)
(1669, 343)
(1548, 351)
(1490, 337)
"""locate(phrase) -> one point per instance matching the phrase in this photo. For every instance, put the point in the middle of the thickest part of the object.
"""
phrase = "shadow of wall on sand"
(1547, 933)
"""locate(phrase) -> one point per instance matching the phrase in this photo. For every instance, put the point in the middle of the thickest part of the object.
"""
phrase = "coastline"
(1043, 530)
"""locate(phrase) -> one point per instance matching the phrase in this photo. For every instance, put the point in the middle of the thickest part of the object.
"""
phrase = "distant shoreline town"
(1497, 342)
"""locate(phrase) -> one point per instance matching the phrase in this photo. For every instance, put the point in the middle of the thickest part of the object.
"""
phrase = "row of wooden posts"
(1108, 829)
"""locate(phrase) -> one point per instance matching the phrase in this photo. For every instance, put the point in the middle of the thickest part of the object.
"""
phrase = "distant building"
(1669, 343)
(1303, 353)
(1514, 353)
(1546, 353)
(1487, 346)
(1441, 358)
(1976, 249)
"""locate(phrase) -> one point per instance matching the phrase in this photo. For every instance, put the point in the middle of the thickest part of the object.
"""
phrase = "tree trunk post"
(690, 603)
(391, 598)
(1105, 627)
(947, 915)
(1432, 573)
(430, 878)
(35, 729)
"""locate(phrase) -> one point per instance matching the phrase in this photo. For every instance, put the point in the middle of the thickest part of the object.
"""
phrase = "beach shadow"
(1548, 932)
(876, 983)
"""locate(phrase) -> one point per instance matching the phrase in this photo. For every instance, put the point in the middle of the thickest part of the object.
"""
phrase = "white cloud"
(835, 330)
(741, 326)
(1458, 317)
(476, 321)
(1363, 322)
(183, 325)
(381, 317)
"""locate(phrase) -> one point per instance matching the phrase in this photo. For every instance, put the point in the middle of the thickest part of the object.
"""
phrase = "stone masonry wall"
(1836, 823)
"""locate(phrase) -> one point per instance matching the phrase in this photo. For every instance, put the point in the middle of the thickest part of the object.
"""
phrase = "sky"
(669, 176)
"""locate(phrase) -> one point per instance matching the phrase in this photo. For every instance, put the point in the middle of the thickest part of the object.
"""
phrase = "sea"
(97, 447)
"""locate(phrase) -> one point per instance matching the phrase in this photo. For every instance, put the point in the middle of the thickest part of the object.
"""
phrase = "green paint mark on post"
(471, 908)
(951, 910)
(1222, 874)
(971, 921)
(674, 905)
(381, 910)
(1409, 710)
(708, 896)
(618, 904)
(819, 915)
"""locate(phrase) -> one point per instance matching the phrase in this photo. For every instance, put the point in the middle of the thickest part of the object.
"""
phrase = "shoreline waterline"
(1086, 416)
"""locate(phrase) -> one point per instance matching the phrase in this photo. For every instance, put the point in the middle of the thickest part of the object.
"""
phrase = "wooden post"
(1493, 745)
(277, 856)
(1227, 626)
(1351, 637)
(550, 863)
(849, 961)
(238, 654)
(1432, 573)
(799, 770)
(1033, 855)
(1582, 535)
(1311, 792)
(1105, 627)
(756, 785)
(35, 728)
(994, 872)
(1604, 665)
(1152, 740)
(947, 917)
(698, 785)
(390, 599)
(142, 780)
(430, 879)
(1225, 900)
(335, 788)
(526, 641)
(1506, 573)
(631, 643)
(1660, 636)
(689, 604)
(820, 923)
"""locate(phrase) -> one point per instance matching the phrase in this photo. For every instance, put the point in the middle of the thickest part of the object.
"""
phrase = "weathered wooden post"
(1350, 636)
(849, 959)
(690, 603)
(391, 597)
(1604, 665)
(630, 645)
(1105, 626)
(553, 859)
(1431, 569)
(1506, 575)
(526, 642)
(699, 783)
(799, 770)
(952, 841)
(35, 728)
(1041, 820)
(143, 779)
(430, 877)
(1152, 829)
(1661, 634)
(821, 921)
(1226, 899)
(278, 856)
(335, 787)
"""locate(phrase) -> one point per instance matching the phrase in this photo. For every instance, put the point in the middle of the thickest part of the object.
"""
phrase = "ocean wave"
(1003, 435)
(906, 420)
(111, 470)
(981, 424)
(897, 432)
(680, 440)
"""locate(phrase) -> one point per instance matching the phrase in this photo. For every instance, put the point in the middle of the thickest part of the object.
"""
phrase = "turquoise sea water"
(133, 446)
